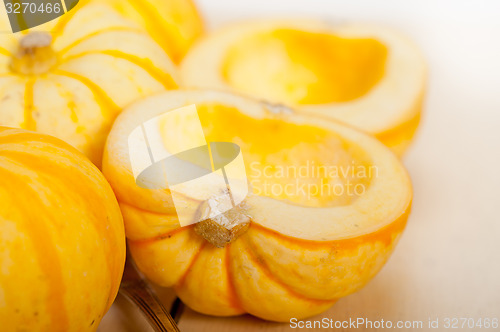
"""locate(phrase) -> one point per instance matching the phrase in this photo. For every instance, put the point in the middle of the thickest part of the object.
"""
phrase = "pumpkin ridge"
(162, 223)
(141, 242)
(172, 212)
(42, 172)
(47, 256)
(55, 202)
(152, 21)
(49, 178)
(147, 211)
(69, 97)
(233, 295)
(61, 24)
(97, 33)
(145, 64)
(263, 267)
(101, 96)
(181, 280)
(29, 122)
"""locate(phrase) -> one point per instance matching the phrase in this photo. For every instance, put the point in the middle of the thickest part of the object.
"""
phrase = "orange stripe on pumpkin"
(44, 167)
(45, 251)
(146, 64)
(265, 270)
(29, 121)
(97, 33)
(152, 20)
(181, 280)
(101, 96)
(233, 295)
(63, 21)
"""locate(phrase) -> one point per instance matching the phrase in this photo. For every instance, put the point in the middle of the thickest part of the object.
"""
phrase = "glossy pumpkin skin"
(173, 24)
(62, 244)
(263, 273)
(102, 63)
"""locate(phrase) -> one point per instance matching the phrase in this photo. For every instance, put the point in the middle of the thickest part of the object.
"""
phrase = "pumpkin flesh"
(301, 67)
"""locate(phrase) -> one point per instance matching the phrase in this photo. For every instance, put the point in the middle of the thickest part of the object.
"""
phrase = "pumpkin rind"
(263, 273)
(104, 62)
(62, 244)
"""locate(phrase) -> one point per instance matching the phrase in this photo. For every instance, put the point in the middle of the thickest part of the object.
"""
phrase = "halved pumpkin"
(327, 206)
(71, 82)
(62, 241)
(370, 77)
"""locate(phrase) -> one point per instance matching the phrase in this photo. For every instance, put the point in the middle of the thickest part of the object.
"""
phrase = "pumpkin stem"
(225, 227)
(35, 55)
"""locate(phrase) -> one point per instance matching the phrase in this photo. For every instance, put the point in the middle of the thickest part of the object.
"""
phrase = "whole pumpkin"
(309, 242)
(173, 24)
(62, 242)
(72, 82)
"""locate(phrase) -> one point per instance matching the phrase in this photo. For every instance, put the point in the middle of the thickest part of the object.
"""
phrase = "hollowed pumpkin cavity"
(302, 68)
(303, 164)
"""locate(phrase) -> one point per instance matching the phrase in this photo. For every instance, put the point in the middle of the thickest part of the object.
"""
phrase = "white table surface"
(448, 262)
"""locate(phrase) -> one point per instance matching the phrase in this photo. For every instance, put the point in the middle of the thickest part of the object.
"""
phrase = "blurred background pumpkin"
(173, 24)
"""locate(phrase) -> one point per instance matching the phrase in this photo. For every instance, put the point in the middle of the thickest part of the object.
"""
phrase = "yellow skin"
(62, 244)
(264, 272)
(73, 88)
(173, 24)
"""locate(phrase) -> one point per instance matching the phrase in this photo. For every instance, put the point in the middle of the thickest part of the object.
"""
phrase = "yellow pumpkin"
(304, 248)
(368, 76)
(62, 241)
(73, 82)
(174, 24)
